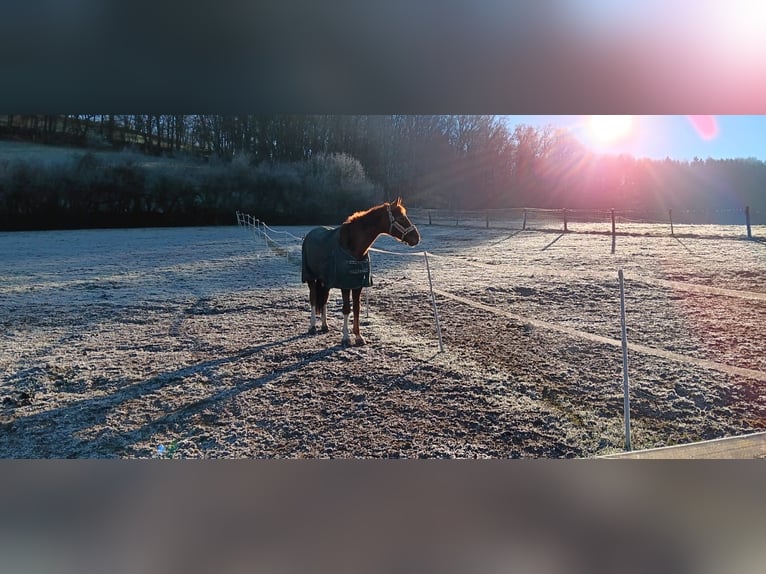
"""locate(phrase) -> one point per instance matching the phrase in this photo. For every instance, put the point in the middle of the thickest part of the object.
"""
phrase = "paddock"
(192, 343)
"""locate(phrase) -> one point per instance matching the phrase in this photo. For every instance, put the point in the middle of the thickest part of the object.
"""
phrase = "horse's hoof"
(325, 328)
(346, 342)
(360, 341)
(312, 330)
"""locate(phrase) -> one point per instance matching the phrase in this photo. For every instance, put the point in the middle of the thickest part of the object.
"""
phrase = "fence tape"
(644, 349)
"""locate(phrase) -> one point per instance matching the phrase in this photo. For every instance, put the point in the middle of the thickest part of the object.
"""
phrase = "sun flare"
(605, 130)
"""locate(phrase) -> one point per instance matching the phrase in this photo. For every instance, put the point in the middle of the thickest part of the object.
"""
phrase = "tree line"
(269, 161)
(97, 190)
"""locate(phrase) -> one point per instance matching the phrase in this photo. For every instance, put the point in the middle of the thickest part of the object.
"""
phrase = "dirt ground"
(193, 343)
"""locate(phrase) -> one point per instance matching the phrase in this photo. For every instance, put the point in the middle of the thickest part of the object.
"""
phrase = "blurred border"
(382, 516)
(398, 56)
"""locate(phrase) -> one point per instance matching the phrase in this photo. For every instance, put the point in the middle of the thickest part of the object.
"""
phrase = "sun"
(607, 130)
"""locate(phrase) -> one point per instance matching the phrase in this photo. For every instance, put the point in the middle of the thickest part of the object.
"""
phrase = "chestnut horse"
(338, 258)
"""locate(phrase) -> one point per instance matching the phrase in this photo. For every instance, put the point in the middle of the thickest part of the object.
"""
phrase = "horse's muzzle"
(412, 238)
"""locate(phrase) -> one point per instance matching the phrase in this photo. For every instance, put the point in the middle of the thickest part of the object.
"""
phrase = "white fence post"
(433, 302)
(625, 385)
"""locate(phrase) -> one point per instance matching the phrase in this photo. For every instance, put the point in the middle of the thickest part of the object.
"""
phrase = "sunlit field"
(192, 342)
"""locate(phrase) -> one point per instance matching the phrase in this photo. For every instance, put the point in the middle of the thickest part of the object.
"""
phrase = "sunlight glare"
(605, 130)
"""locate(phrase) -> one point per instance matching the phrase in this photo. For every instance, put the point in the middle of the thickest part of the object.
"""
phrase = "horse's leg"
(346, 311)
(324, 297)
(313, 301)
(357, 295)
(325, 328)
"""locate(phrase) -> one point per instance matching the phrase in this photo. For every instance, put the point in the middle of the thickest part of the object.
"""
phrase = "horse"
(338, 258)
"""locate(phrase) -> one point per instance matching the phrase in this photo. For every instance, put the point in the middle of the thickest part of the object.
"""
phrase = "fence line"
(585, 335)
(246, 220)
(555, 327)
(276, 232)
(588, 220)
(643, 349)
(264, 232)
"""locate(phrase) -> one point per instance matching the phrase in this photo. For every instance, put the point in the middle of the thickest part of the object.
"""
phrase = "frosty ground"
(193, 343)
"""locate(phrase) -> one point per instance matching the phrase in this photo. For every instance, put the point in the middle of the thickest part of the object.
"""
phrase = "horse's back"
(323, 258)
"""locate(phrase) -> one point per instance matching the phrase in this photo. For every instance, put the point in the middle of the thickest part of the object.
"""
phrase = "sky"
(657, 137)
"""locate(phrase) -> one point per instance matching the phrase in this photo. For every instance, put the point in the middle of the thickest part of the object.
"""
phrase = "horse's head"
(401, 227)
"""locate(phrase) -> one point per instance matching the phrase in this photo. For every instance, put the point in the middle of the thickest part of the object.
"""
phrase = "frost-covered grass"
(45, 155)
(117, 342)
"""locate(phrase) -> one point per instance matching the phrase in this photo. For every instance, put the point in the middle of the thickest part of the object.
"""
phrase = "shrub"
(127, 189)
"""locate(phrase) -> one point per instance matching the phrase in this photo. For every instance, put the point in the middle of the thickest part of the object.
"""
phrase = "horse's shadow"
(54, 433)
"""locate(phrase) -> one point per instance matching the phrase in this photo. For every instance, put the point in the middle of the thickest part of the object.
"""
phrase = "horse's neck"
(359, 235)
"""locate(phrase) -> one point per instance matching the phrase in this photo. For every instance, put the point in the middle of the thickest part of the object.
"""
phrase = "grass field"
(192, 342)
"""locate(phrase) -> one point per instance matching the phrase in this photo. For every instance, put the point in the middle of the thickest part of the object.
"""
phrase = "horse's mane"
(359, 214)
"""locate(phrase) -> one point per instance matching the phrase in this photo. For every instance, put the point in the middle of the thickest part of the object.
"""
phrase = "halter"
(398, 226)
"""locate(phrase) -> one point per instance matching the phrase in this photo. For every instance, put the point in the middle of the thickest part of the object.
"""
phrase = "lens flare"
(705, 126)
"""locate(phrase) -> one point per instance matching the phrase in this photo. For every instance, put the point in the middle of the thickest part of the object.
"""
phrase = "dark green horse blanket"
(323, 258)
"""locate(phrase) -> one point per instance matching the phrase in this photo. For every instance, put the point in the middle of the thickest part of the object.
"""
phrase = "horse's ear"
(398, 201)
